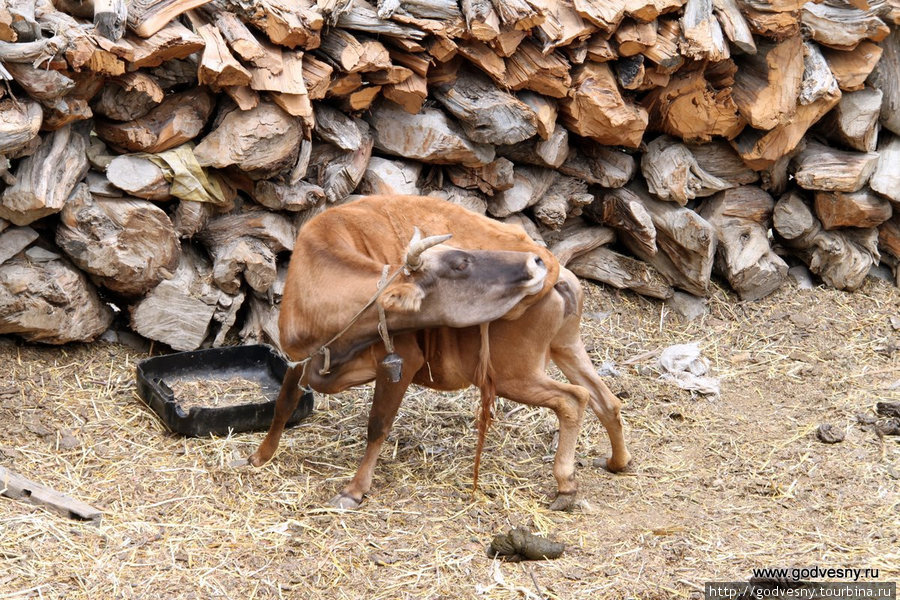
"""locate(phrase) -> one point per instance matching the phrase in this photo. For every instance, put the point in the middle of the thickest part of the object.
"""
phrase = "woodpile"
(157, 158)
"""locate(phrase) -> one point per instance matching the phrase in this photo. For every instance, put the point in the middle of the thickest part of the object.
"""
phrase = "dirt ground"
(719, 485)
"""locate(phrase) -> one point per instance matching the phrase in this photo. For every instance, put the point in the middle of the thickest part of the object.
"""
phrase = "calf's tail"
(485, 381)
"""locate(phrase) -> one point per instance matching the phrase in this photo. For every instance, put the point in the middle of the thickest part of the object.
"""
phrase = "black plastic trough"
(256, 363)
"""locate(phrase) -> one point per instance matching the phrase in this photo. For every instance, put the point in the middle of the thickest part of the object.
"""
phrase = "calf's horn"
(417, 246)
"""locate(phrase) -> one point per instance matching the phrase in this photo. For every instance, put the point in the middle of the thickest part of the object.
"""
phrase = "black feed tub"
(258, 363)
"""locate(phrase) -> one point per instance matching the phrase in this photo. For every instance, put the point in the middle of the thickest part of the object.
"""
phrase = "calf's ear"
(402, 297)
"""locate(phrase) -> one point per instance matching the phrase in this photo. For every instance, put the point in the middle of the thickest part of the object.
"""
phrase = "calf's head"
(448, 286)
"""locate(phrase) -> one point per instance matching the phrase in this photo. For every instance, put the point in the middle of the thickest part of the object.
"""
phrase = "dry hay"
(718, 487)
(216, 392)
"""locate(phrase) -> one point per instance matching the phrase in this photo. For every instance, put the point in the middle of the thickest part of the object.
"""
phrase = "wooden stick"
(19, 488)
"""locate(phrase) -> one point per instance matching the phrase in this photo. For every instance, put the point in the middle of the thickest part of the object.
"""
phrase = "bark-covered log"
(43, 298)
(742, 218)
(841, 258)
(126, 245)
(45, 179)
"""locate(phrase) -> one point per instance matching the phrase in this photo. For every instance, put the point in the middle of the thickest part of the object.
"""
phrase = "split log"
(623, 210)
(854, 121)
(551, 152)
(563, 26)
(387, 177)
(599, 49)
(606, 15)
(13, 240)
(139, 176)
(217, 66)
(481, 55)
(44, 85)
(665, 53)
(126, 245)
(261, 322)
(842, 27)
(819, 93)
(286, 23)
(889, 237)
(295, 197)
(171, 42)
(175, 73)
(686, 243)
(361, 16)
(472, 200)
(493, 177)
(128, 97)
(527, 225)
(191, 217)
(260, 142)
(530, 184)
(100, 186)
(720, 160)
(841, 258)
(43, 298)
(146, 17)
(742, 218)
(482, 20)
(767, 83)
(776, 26)
(338, 172)
(886, 77)
(244, 246)
(577, 237)
(530, 69)
(45, 179)
(886, 178)
(621, 272)
(352, 55)
(428, 136)
(734, 25)
(862, 209)
(178, 119)
(545, 112)
(599, 165)
(818, 167)
(703, 37)
(672, 173)
(633, 37)
(690, 108)
(648, 10)
(487, 114)
(409, 94)
(596, 110)
(179, 311)
(507, 42)
(239, 37)
(519, 14)
(851, 68)
(110, 17)
(20, 122)
(562, 200)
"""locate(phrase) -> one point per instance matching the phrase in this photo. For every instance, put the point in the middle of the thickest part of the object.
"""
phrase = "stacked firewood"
(157, 157)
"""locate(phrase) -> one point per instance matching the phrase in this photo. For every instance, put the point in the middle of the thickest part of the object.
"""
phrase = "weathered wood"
(633, 37)
(240, 38)
(385, 176)
(217, 66)
(854, 121)
(110, 17)
(621, 272)
(338, 172)
(886, 77)
(507, 42)
(428, 136)
(482, 20)
(596, 110)
(886, 178)
(703, 37)
(841, 258)
(604, 14)
(562, 200)
(139, 176)
(776, 26)
(20, 122)
(410, 94)
(551, 152)
(246, 98)
(842, 27)
(481, 55)
(287, 23)
(851, 68)
(741, 217)
(720, 160)
(43, 298)
(44, 85)
(178, 119)
(351, 54)
(648, 10)
(172, 41)
(862, 209)
(261, 322)
(690, 108)
(487, 114)
(45, 179)
(599, 165)
(17, 487)
(889, 236)
(665, 53)
(128, 97)
(261, 141)
(599, 49)
(495, 176)
(191, 217)
(767, 83)
(544, 109)
(576, 237)
(760, 149)
(518, 14)
(126, 245)
(672, 173)
(686, 243)
(529, 69)
(15, 239)
(622, 209)
(562, 27)
(734, 25)
(819, 167)
(146, 17)
(530, 184)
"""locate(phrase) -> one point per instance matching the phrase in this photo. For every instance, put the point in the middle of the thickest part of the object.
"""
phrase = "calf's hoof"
(256, 460)
(615, 466)
(345, 501)
(563, 501)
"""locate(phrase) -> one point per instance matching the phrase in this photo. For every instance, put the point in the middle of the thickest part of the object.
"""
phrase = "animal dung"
(520, 544)
(828, 434)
